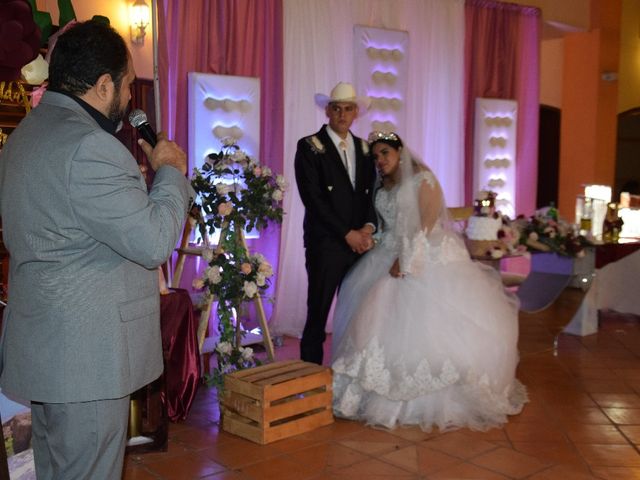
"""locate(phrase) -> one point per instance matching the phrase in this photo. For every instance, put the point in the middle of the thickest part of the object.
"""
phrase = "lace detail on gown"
(417, 251)
(369, 365)
(365, 378)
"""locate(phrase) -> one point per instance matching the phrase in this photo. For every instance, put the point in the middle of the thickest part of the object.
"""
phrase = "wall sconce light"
(139, 17)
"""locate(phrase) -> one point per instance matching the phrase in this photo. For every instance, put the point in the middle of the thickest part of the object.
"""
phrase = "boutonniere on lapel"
(316, 145)
(365, 147)
(329, 187)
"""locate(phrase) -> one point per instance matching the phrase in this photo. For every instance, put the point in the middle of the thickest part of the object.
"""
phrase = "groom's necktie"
(345, 159)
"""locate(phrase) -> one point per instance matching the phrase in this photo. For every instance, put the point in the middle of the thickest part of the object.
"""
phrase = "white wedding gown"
(438, 348)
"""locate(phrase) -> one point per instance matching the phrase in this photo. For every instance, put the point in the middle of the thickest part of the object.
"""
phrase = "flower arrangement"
(236, 190)
(546, 232)
(508, 240)
(236, 194)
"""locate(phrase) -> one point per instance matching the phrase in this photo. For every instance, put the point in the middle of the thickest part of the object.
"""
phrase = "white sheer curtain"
(318, 53)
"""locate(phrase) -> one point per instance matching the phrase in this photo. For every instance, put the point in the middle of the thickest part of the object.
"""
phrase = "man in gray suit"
(81, 330)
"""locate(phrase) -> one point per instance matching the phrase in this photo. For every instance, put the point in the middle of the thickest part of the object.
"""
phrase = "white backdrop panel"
(222, 106)
(494, 161)
(381, 57)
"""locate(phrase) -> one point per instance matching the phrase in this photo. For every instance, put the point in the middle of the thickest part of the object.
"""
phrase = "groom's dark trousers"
(325, 271)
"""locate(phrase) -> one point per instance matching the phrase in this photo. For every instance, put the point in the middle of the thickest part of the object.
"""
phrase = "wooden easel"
(205, 343)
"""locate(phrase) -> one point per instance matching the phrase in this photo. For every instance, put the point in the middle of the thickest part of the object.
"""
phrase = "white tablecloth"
(615, 287)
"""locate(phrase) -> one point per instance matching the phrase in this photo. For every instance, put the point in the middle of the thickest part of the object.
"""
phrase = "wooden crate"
(276, 401)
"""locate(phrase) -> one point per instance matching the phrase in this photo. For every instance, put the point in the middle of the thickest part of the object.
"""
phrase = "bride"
(422, 334)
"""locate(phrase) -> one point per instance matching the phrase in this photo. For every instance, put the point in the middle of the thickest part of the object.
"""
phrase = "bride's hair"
(389, 138)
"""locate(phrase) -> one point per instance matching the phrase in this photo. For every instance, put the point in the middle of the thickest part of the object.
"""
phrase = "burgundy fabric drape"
(180, 351)
(226, 37)
(502, 61)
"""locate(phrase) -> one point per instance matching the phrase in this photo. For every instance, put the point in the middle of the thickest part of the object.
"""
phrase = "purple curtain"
(226, 37)
(502, 61)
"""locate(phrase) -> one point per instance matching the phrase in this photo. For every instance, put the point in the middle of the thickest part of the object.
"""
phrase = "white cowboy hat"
(343, 92)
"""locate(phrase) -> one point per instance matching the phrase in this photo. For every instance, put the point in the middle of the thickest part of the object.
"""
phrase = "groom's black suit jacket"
(332, 205)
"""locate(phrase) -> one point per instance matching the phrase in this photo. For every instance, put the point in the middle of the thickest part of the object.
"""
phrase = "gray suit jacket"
(85, 238)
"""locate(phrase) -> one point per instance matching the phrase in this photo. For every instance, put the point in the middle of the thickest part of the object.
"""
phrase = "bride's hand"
(394, 271)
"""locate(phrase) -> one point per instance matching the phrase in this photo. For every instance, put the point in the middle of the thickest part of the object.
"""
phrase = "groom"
(335, 178)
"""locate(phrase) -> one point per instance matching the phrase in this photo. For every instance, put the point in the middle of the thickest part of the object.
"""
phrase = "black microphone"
(138, 120)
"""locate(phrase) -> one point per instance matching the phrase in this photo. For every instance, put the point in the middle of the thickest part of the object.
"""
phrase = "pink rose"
(225, 208)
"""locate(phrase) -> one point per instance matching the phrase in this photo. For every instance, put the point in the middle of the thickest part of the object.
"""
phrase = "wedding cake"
(483, 226)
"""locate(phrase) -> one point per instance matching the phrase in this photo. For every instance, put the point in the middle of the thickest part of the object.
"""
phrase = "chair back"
(459, 217)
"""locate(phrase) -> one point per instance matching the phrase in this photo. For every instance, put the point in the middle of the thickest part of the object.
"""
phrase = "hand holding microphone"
(138, 120)
(158, 149)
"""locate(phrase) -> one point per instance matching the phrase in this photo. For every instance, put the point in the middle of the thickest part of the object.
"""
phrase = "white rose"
(247, 353)
(265, 268)
(261, 280)
(223, 188)
(277, 195)
(239, 156)
(281, 182)
(207, 254)
(250, 289)
(225, 208)
(224, 348)
(266, 171)
(198, 283)
(213, 274)
(36, 71)
(496, 253)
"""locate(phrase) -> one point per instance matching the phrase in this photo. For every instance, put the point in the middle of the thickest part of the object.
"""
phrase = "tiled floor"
(583, 422)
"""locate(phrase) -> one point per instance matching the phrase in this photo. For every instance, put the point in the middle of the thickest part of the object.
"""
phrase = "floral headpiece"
(377, 136)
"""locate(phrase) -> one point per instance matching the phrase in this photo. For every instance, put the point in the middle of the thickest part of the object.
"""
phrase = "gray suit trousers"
(80, 441)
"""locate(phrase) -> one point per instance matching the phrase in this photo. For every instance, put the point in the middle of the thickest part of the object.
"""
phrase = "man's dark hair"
(85, 52)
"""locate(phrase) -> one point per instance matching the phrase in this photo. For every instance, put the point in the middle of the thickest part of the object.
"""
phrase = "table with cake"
(484, 230)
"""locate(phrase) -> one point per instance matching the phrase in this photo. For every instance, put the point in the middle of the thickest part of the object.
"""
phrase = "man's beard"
(117, 114)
